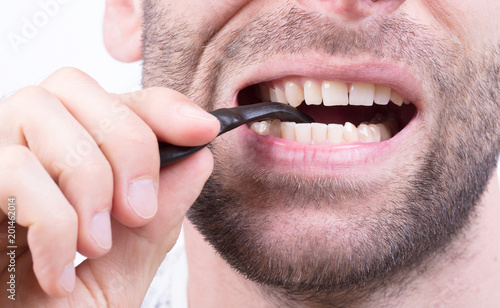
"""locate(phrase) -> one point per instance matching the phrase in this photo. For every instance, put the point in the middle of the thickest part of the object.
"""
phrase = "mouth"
(343, 113)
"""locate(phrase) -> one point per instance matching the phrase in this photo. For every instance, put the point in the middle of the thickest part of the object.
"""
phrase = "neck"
(467, 276)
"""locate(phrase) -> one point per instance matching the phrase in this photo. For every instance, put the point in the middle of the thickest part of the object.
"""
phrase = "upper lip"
(397, 76)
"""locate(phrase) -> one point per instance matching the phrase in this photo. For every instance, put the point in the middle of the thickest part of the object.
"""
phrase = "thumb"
(128, 269)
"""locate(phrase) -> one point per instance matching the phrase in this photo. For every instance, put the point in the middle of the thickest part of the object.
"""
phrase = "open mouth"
(342, 112)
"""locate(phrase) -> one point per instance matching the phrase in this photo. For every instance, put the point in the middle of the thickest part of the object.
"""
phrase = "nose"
(351, 10)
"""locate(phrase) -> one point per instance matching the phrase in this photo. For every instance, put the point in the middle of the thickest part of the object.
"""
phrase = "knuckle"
(94, 166)
(31, 94)
(34, 100)
(100, 165)
(65, 218)
(60, 229)
(68, 72)
(15, 156)
(97, 169)
(160, 91)
(141, 136)
(68, 77)
(70, 217)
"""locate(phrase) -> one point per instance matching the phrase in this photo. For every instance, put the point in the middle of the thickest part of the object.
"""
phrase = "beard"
(325, 239)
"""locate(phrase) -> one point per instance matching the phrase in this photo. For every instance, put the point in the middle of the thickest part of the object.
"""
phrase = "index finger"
(173, 117)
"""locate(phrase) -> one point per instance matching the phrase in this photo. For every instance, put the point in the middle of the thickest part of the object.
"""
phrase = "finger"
(42, 208)
(180, 185)
(70, 156)
(129, 144)
(172, 116)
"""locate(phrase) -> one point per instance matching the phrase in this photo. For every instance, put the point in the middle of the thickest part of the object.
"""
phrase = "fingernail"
(67, 279)
(195, 112)
(100, 229)
(143, 198)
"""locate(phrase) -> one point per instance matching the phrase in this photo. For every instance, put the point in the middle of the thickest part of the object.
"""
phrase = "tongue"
(338, 114)
(356, 114)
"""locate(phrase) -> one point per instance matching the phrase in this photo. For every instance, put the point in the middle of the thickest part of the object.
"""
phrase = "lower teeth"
(319, 134)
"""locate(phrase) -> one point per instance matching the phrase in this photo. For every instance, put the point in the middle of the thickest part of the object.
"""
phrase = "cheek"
(447, 13)
(474, 23)
(215, 13)
(225, 8)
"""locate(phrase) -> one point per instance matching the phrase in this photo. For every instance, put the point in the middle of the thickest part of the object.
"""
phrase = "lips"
(332, 159)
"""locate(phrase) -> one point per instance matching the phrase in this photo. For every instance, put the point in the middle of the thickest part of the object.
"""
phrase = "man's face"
(335, 213)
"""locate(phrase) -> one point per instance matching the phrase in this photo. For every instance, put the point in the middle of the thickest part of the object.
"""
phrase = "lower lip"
(280, 155)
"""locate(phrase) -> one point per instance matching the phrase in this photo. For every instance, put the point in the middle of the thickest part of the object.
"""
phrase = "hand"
(71, 154)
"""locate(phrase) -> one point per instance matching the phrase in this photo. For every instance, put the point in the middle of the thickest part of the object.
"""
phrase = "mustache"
(295, 30)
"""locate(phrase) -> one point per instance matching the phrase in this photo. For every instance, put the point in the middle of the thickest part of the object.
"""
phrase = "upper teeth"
(330, 93)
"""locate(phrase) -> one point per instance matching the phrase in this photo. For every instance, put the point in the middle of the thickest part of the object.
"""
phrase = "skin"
(36, 169)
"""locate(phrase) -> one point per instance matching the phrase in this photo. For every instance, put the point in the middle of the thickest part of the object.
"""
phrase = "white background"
(66, 33)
